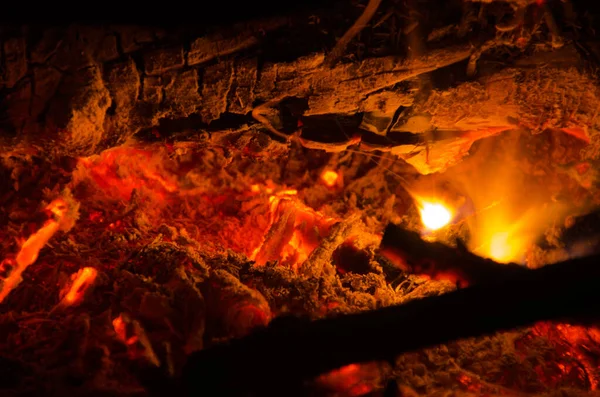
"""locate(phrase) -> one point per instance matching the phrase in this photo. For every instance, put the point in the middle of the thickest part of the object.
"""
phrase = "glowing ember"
(352, 380)
(130, 332)
(435, 215)
(82, 280)
(30, 249)
(121, 331)
(292, 233)
(122, 170)
(329, 178)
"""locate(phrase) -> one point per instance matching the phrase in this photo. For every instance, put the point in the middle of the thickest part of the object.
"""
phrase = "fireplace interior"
(351, 198)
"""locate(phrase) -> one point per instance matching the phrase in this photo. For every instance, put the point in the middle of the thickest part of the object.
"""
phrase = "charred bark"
(83, 88)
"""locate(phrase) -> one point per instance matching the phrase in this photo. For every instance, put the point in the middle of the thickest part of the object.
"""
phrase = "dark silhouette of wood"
(406, 250)
(288, 352)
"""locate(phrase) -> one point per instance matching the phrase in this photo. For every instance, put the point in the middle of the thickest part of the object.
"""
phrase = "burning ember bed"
(297, 205)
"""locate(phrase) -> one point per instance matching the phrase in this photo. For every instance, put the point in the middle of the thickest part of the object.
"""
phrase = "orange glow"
(120, 328)
(82, 280)
(505, 236)
(293, 232)
(578, 345)
(434, 214)
(511, 209)
(130, 332)
(329, 178)
(352, 380)
(30, 249)
(121, 170)
(288, 192)
(295, 251)
(500, 248)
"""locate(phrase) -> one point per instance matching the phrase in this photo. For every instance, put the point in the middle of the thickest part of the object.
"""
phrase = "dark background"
(161, 12)
(176, 12)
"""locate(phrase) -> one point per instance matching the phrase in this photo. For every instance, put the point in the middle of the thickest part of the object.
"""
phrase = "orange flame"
(512, 207)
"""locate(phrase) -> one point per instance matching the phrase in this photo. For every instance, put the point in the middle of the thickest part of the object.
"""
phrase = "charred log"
(83, 89)
(246, 187)
(294, 351)
(410, 253)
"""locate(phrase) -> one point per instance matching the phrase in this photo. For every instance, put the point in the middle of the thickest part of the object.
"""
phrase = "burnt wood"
(406, 250)
(287, 353)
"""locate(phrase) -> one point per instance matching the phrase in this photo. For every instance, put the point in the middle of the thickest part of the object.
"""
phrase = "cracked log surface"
(81, 89)
(91, 87)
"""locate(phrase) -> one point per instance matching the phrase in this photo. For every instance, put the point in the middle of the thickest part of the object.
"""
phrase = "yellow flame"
(434, 215)
(500, 248)
(505, 237)
(511, 207)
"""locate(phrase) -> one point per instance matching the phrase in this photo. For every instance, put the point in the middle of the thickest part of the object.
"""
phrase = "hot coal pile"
(165, 192)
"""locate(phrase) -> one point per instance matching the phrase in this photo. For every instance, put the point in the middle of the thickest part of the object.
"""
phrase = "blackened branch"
(287, 353)
(406, 250)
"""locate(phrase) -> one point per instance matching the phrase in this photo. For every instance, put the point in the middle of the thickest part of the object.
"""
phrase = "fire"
(132, 334)
(32, 246)
(82, 280)
(330, 178)
(292, 233)
(500, 249)
(28, 254)
(510, 209)
(434, 215)
(352, 380)
(504, 235)
(121, 331)
(122, 170)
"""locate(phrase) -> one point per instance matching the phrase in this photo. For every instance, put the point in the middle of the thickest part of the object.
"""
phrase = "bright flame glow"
(503, 238)
(500, 248)
(510, 207)
(329, 178)
(434, 215)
